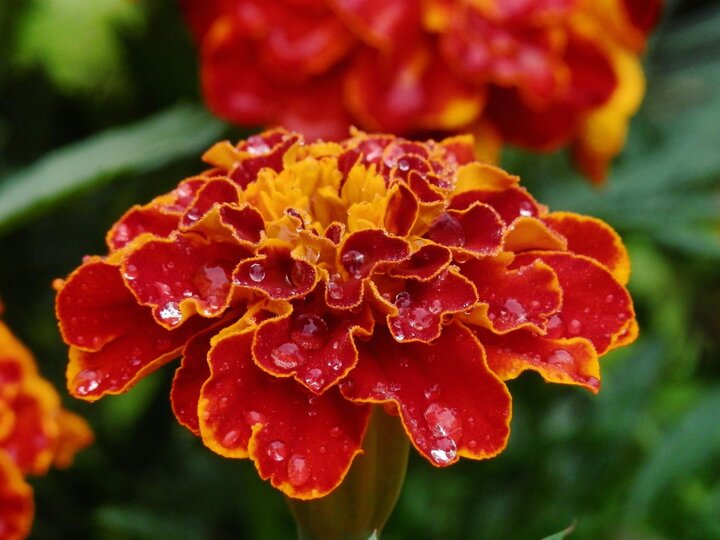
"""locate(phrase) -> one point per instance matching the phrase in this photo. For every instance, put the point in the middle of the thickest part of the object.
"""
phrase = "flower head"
(35, 433)
(301, 283)
(541, 74)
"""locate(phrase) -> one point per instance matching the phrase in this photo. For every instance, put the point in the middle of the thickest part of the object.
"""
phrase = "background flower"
(537, 74)
(301, 282)
(35, 433)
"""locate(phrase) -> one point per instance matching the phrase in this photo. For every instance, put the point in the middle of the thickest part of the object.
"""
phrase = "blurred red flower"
(35, 434)
(541, 74)
(302, 282)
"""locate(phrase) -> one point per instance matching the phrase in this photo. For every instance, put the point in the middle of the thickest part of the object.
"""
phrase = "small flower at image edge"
(304, 283)
(35, 434)
(539, 74)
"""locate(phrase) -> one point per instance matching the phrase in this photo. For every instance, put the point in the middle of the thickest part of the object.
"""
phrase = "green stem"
(359, 508)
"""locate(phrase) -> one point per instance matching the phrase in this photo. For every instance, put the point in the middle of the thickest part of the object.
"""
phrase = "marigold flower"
(540, 74)
(35, 433)
(302, 282)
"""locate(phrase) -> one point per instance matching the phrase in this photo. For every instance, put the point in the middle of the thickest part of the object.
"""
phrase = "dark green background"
(640, 461)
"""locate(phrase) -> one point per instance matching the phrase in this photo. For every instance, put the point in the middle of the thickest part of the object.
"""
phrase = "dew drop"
(609, 298)
(170, 313)
(335, 364)
(354, 261)
(254, 417)
(444, 452)
(131, 272)
(298, 472)
(526, 209)
(277, 451)
(296, 274)
(256, 272)
(335, 432)
(435, 307)
(472, 444)
(211, 282)
(420, 318)
(334, 289)
(443, 421)
(86, 381)
(287, 356)
(309, 331)
(516, 309)
(314, 379)
(574, 327)
(230, 438)
(447, 230)
(561, 358)
(403, 164)
(403, 300)
(432, 392)
(555, 327)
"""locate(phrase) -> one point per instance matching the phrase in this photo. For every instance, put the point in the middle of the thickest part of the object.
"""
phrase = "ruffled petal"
(523, 297)
(312, 343)
(561, 360)
(302, 442)
(181, 276)
(594, 238)
(595, 306)
(444, 416)
(421, 305)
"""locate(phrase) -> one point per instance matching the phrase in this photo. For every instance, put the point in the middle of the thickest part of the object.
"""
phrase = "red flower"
(35, 433)
(541, 74)
(302, 282)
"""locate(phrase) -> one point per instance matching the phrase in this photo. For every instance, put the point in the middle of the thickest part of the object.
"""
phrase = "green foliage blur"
(99, 109)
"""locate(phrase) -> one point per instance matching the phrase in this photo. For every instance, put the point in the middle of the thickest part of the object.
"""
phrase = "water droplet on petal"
(254, 417)
(335, 364)
(526, 209)
(230, 438)
(609, 298)
(435, 306)
(170, 313)
(86, 381)
(472, 444)
(212, 283)
(296, 273)
(444, 452)
(287, 356)
(420, 318)
(256, 272)
(335, 432)
(555, 327)
(354, 261)
(131, 272)
(561, 358)
(432, 392)
(277, 451)
(309, 331)
(574, 327)
(403, 300)
(298, 472)
(443, 421)
(516, 309)
(314, 379)
(334, 289)
(447, 230)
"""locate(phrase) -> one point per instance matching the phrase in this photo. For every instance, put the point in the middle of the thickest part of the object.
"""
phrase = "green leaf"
(77, 43)
(562, 534)
(682, 450)
(149, 144)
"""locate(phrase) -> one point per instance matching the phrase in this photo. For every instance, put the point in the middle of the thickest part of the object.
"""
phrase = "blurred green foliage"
(99, 109)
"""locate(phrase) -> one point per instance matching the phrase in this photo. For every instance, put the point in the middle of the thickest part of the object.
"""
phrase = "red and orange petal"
(444, 416)
(304, 281)
(534, 73)
(303, 442)
(113, 340)
(16, 501)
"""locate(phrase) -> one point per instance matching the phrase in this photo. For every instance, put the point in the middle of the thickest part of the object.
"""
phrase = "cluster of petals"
(35, 434)
(301, 283)
(538, 73)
